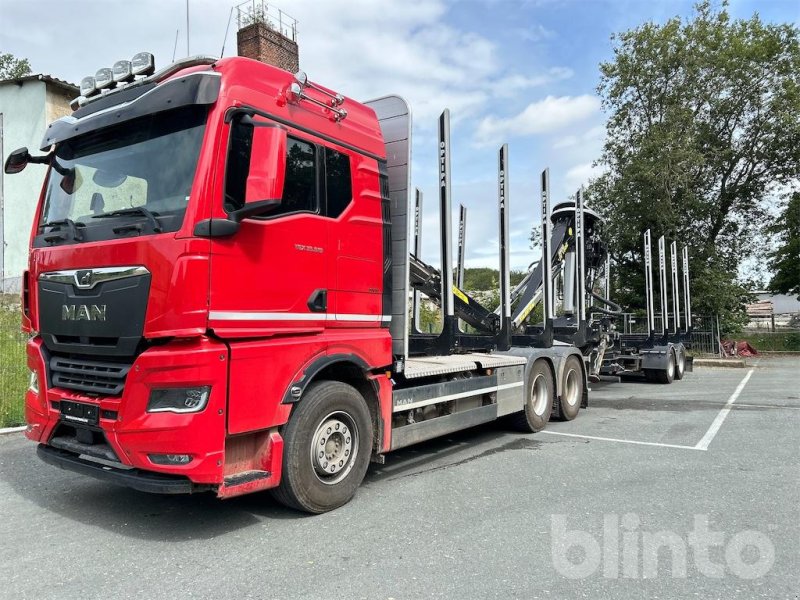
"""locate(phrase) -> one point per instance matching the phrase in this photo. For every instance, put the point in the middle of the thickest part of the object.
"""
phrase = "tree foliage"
(786, 257)
(703, 128)
(12, 67)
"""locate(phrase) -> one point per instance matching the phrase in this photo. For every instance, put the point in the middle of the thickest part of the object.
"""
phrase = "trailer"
(241, 321)
(580, 255)
(660, 356)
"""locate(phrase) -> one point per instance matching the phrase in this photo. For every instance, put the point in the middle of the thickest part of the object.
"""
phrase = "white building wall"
(24, 113)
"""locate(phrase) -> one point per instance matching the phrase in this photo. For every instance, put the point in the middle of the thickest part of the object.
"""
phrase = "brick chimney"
(267, 34)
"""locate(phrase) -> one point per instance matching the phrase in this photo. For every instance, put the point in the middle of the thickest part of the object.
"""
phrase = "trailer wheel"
(327, 444)
(571, 389)
(680, 364)
(668, 374)
(539, 394)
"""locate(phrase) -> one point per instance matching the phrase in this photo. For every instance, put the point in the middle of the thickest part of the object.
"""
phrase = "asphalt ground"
(481, 514)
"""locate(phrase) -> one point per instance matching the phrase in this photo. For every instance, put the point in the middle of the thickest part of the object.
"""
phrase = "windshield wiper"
(71, 225)
(136, 210)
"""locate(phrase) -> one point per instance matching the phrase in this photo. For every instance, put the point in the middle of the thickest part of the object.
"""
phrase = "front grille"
(92, 376)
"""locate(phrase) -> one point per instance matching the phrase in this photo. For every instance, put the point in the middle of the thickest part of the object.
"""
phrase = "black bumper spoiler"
(144, 481)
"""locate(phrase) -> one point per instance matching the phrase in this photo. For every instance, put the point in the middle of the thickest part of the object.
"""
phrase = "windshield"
(139, 173)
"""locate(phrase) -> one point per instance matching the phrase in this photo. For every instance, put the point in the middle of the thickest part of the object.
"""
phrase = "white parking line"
(621, 441)
(714, 429)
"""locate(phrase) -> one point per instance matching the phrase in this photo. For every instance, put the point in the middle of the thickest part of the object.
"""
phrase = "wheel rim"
(671, 366)
(334, 446)
(571, 388)
(539, 395)
(681, 363)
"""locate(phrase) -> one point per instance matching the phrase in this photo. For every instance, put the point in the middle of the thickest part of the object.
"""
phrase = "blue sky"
(518, 71)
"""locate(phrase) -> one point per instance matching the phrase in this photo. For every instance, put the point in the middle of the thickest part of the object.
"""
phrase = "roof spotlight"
(143, 64)
(88, 86)
(122, 71)
(104, 78)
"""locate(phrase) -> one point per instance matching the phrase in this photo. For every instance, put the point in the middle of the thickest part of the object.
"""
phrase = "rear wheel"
(571, 389)
(327, 445)
(668, 374)
(680, 364)
(539, 394)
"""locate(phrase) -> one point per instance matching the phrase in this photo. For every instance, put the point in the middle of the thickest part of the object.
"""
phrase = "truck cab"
(207, 239)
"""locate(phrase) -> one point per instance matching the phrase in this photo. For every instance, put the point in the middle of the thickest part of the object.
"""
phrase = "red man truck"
(219, 284)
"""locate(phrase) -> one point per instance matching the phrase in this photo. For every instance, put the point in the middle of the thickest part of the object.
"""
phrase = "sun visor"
(194, 88)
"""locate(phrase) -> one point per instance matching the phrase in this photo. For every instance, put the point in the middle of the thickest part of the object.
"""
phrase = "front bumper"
(144, 481)
(134, 434)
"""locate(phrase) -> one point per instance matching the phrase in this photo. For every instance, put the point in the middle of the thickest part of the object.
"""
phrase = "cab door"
(270, 277)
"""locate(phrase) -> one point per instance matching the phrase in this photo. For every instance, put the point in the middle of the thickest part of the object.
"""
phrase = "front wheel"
(571, 389)
(327, 445)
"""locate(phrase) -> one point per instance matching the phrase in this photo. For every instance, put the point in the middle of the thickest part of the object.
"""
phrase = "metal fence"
(705, 330)
(13, 365)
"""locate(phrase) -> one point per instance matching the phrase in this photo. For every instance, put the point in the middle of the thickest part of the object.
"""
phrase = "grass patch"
(13, 368)
(779, 341)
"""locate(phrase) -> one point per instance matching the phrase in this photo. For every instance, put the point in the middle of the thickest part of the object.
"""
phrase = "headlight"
(179, 400)
(33, 384)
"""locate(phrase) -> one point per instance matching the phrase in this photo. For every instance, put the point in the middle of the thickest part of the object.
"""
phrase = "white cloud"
(580, 175)
(535, 33)
(566, 142)
(547, 115)
(595, 134)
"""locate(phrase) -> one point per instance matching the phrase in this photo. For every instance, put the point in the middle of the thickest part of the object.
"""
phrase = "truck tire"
(326, 448)
(539, 395)
(571, 389)
(680, 364)
(668, 374)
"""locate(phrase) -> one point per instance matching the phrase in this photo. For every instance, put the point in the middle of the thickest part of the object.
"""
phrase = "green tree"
(703, 126)
(12, 67)
(786, 257)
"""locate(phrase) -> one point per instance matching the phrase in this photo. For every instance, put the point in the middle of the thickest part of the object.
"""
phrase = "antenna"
(227, 27)
(187, 27)
(175, 47)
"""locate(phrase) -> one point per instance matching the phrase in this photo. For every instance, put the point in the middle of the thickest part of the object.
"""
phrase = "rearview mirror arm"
(252, 209)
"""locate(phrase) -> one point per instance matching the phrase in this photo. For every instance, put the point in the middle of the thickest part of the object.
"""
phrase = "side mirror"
(20, 158)
(17, 161)
(264, 186)
(267, 163)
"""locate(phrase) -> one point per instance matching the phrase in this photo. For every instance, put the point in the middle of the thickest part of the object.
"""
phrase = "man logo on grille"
(83, 312)
(83, 278)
